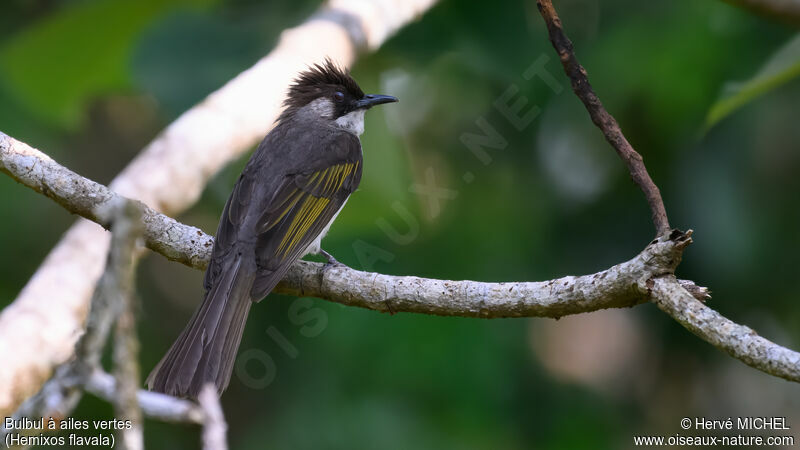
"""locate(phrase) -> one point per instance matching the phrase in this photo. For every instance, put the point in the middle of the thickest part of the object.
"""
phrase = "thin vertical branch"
(126, 372)
(605, 121)
(114, 285)
(214, 425)
(61, 394)
(126, 231)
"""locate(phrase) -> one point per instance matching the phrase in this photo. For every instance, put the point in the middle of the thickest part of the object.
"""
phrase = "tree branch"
(192, 156)
(605, 121)
(622, 285)
(675, 297)
(214, 426)
(737, 340)
(127, 229)
(86, 198)
(646, 277)
(60, 395)
(154, 405)
(627, 284)
(170, 175)
(111, 301)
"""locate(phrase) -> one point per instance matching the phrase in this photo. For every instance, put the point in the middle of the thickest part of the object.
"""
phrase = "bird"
(282, 205)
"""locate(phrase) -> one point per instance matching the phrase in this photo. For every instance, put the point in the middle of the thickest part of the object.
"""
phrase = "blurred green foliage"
(86, 47)
(92, 81)
(782, 66)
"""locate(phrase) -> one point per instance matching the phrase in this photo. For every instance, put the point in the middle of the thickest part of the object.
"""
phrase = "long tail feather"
(206, 349)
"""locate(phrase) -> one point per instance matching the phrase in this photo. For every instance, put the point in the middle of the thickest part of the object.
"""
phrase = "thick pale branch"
(84, 197)
(626, 284)
(619, 286)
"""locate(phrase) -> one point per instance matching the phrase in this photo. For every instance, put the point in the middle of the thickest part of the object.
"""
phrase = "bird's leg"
(331, 260)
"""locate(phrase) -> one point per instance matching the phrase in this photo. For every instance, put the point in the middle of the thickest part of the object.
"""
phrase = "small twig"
(698, 292)
(605, 121)
(126, 371)
(214, 426)
(153, 404)
(112, 299)
(105, 305)
(57, 399)
(59, 396)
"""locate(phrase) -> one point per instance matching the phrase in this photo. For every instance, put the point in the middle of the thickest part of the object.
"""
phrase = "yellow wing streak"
(323, 175)
(331, 180)
(292, 201)
(320, 204)
(290, 239)
(345, 172)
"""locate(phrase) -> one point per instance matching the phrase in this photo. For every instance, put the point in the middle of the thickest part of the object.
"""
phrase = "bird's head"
(328, 92)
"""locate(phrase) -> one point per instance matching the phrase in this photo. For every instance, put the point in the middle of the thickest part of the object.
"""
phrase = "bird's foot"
(331, 260)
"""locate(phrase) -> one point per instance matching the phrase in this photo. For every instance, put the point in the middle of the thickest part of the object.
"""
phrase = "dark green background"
(92, 82)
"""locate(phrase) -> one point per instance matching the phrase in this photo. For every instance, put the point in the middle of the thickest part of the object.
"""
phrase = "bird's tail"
(206, 349)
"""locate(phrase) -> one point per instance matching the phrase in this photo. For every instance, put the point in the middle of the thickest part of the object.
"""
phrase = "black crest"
(319, 80)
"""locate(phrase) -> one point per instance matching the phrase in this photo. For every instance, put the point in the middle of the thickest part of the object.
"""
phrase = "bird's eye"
(338, 96)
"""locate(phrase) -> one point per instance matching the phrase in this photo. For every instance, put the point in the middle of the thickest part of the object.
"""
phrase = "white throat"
(352, 122)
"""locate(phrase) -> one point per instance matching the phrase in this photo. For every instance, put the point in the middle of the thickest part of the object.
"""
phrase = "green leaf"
(56, 65)
(783, 66)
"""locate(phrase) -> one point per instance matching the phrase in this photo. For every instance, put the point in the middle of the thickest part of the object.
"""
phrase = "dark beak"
(371, 100)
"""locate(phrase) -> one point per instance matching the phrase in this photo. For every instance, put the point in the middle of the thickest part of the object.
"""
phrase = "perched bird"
(282, 205)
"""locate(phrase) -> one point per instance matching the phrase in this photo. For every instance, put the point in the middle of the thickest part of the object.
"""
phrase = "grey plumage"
(293, 186)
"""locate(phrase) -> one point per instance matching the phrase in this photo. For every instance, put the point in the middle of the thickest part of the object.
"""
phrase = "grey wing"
(233, 215)
(305, 203)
